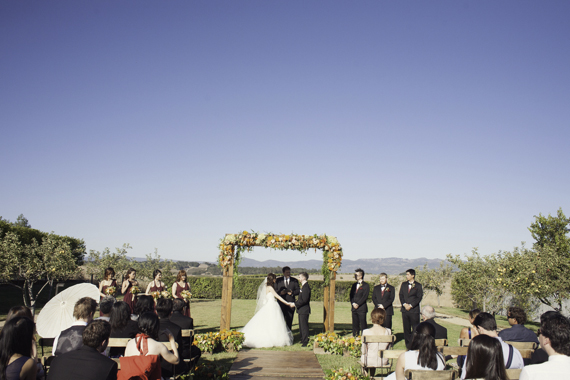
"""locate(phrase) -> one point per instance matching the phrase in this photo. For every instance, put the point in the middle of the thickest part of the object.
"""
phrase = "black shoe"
(304, 345)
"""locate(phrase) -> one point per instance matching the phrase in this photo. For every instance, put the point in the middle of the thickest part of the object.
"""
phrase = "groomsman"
(383, 297)
(358, 298)
(288, 288)
(304, 308)
(411, 295)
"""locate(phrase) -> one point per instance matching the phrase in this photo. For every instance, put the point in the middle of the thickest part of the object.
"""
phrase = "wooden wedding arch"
(233, 245)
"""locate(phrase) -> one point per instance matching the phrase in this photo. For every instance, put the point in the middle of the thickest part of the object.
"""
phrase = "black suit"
(440, 331)
(85, 363)
(303, 306)
(386, 299)
(186, 323)
(359, 296)
(413, 296)
(293, 286)
(167, 368)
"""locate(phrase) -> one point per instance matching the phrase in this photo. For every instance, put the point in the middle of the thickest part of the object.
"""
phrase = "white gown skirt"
(267, 328)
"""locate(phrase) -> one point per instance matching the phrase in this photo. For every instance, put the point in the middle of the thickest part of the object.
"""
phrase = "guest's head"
(178, 305)
(271, 279)
(120, 315)
(423, 340)
(15, 338)
(485, 359)
(304, 276)
(106, 305)
(358, 274)
(485, 323)
(96, 335)
(19, 311)
(378, 316)
(131, 274)
(473, 314)
(181, 276)
(109, 273)
(516, 316)
(157, 274)
(383, 278)
(286, 271)
(410, 275)
(149, 324)
(144, 303)
(85, 309)
(554, 335)
(163, 307)
(428, 312)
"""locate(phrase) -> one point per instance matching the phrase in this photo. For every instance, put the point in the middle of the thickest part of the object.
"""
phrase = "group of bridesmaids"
(156, 285)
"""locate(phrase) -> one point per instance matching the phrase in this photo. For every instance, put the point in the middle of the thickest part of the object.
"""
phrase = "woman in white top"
(370, 350)
(423, 353)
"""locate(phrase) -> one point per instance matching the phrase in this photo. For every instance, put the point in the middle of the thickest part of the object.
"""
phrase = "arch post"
(332, 286)
(227, 291)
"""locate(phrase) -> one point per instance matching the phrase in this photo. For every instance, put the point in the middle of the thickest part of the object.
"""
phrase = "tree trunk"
(32, 298)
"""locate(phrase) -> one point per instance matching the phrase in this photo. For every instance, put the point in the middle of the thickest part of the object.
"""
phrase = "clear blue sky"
(409, 129)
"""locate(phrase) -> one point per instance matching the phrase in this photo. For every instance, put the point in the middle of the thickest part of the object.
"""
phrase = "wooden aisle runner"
(276, 365)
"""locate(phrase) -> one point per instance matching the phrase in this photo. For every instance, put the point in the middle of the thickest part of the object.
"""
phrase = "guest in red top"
(155, 285)
(178, 287)
(107, 283)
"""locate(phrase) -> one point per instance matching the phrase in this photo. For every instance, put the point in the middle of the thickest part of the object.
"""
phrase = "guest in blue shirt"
(517, 333)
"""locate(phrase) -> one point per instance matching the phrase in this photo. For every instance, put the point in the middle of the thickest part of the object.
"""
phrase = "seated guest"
(539, 355)
(517, 333)
(86, 362)
(186, 323)
(423, 353)
(485, 324)
(554, 337)
(122, 326)
(468, 333)
(485, 359)
(70, 339)
(428, 315)
(144, 304)
(16, 362)
(164, 311)
(105, 307)
(369, 355)
(23, 311)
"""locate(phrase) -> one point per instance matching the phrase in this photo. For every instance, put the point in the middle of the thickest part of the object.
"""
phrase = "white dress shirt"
(557, 367)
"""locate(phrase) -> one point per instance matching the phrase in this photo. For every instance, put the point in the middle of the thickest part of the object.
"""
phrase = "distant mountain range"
(390, 265)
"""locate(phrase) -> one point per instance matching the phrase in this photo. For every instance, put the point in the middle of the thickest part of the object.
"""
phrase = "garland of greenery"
(233, 245)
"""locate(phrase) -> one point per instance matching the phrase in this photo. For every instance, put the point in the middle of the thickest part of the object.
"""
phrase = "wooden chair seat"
(418, 374)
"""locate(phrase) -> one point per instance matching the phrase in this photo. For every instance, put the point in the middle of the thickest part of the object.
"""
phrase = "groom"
(304, 308)
(287, 287)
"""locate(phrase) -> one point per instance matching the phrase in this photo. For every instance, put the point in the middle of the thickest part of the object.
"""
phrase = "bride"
(267, 328)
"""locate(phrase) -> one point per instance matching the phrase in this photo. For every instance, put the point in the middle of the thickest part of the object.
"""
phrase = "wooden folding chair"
(420, 374)
(46, 362)
(441, 342)
(523, 345)
(187, 333)
(453, 350)
(391, 339)
(514, 374)
(463, 342)
(47, 342)
(118, 342)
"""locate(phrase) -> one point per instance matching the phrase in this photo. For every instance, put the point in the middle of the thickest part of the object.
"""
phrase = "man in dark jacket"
(411, 295)
(288, 288)
(383, 297)
(186, 323)
(164, 310)
(71, 338)
(303, 305)
(358, 298)
(428, 314)
(517, 333)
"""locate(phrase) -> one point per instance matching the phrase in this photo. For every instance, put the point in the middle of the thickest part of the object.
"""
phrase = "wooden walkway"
(276, 365)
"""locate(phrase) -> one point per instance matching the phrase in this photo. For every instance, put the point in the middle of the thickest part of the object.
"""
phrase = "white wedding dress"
(267, 328)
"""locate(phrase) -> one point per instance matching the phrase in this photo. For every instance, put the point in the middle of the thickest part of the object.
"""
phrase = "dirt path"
(454, 320)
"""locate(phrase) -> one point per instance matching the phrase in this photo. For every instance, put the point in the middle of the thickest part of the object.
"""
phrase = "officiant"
(288, 288)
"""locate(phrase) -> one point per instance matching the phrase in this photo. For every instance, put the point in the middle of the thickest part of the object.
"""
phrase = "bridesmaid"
(130, 281)
(179, 285)
(108, 281)
(155, 285)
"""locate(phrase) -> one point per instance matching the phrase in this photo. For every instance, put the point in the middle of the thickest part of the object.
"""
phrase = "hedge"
(246, 288)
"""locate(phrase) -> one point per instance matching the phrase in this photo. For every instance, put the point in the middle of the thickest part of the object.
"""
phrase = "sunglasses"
(538, 332)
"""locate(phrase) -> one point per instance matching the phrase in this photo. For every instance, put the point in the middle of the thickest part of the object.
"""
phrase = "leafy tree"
(552, 231)
(51, 260)
(152, 262)
(22, 221)
(97, 262)
(434, 280)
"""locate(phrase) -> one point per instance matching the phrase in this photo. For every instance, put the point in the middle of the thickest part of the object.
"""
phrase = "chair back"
(523, 345)
(463, 342)
(45, 342)
(378, 338)
(390, 354)
(118, 342)
(441, 342)
(453, 350)
(422, 374)
(526, 354)
(187, 333)
(46, 362)
(514, 374)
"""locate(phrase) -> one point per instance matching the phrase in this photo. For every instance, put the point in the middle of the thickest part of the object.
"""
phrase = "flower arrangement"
(165, 294)
(155, 295)
(225, 340)
(231, 340)
(134, 291)
(351, 345)
(345, 374)
(208, 370)
(186, 295)
(335, 344)
(111, 290)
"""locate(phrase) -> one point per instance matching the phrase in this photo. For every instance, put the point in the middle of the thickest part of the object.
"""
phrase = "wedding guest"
(144, 304)
(288, 288)
(539, 355)
(411, 295)
(122, 326)
(107, 282)
(70, 339)
(156, 285)
(180, 285)
(517, 333)
(303, 305)
(164, 311)
(369, 355)
(105, 307)
(485, 359)
(189, 351)
(19, 311)
(383, 297)
(86, 362)
(554, 338)
(486, 325)
(428, 314)
(130, 281)
(422, 353)
(16, 358)
(358, 297)
(468, 333)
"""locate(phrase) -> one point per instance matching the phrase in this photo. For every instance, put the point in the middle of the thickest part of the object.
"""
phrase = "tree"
(97, 262)
(552, 231)
(50, 261)
(434, 280)
(152, 262)
(22, 221)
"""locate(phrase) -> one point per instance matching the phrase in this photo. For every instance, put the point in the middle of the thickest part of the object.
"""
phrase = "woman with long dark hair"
(122, 326)
(16, 361)
(180, 285)
(144, 304)
(422, 354)
(130, 281)
(485, 359)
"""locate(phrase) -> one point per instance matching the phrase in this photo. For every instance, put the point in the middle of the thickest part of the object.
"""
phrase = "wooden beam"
(227, 291)
(331, 302)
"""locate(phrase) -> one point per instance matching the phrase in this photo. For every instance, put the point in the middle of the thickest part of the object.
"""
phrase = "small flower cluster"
(186, 295)
(111, 290)
(335, 344)
(208, 370)
(135, 290)
(352, 345)
(345, 374)
(165, 294)
(231, 340)
(225, 340)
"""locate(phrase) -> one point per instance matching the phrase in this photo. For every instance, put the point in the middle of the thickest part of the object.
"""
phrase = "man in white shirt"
(554, 338)
(485, 324)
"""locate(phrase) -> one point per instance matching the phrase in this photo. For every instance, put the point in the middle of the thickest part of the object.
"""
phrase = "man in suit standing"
(87, 362)
(383, 297)
(304, 308)
(358, 298)
(288, 288)
(428, 315)
(411, 295)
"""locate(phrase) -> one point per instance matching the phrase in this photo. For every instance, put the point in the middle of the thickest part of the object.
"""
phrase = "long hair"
(19, 311)
(144, 303)
(109, 272)
(15, 338)
(155, 273)
(149, 324)
(181, 273)
(120, 315)
(423, 340)
(485, 359)
(129, 271)
(271, 279)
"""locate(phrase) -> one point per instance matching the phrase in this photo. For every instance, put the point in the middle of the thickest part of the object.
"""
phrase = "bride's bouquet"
(186, 295)
(111, 290)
